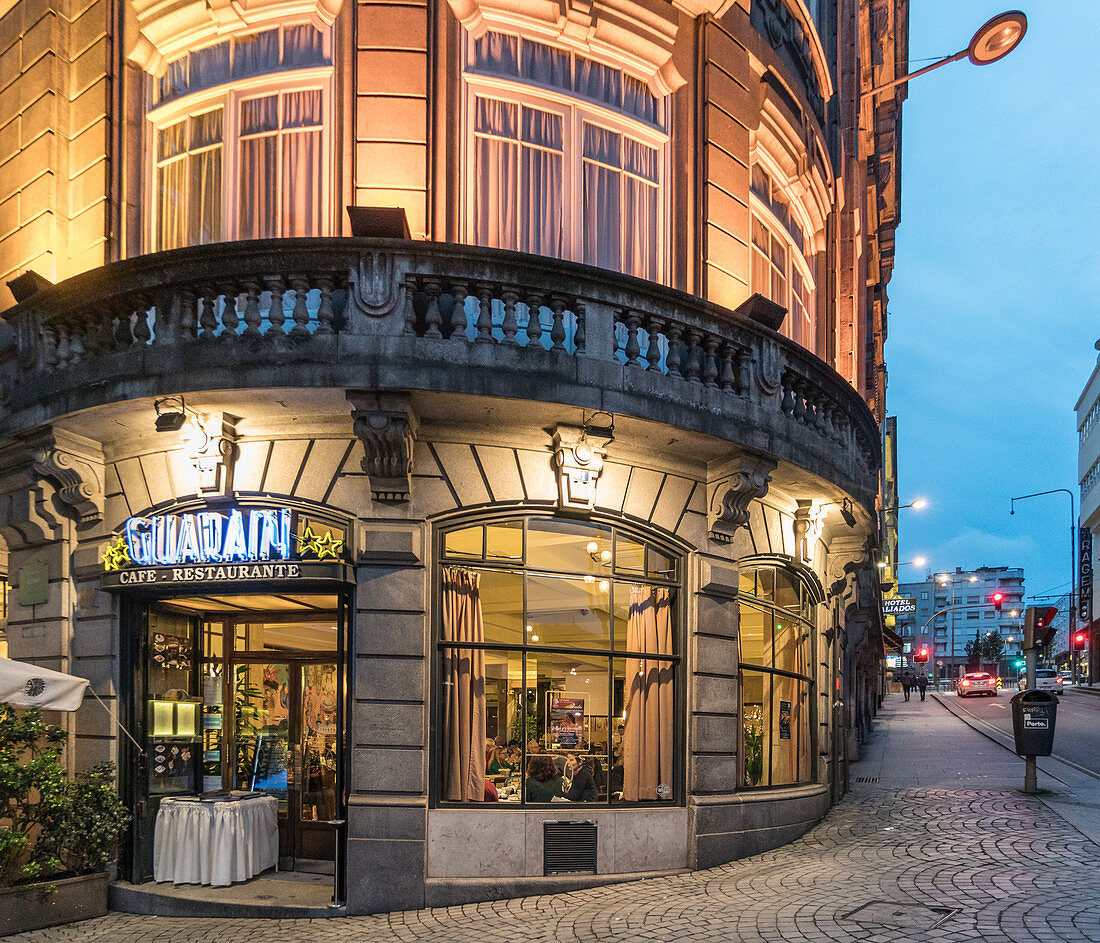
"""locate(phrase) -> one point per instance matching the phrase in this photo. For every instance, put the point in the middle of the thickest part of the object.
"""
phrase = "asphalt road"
(1076, 732)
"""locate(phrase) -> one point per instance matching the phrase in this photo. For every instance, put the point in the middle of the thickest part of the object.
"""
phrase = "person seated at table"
(491, 794)
(533, 747)
(496, 762)
(578, 784)
(542, 784)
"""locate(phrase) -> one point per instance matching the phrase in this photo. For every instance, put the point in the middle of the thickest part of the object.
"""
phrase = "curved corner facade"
(458, 422)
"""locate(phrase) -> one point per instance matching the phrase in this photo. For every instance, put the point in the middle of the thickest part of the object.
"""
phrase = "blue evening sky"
(994, 300)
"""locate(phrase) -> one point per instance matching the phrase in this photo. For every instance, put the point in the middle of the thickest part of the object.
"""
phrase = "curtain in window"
(540, 183)
(495, 174)
(259, 168)
(601, 198)
(463, 688)
(545, 65)
(639, 210)
(599, 82)
(301, 183)
(172, 186)
(497, 53)
(303, 46)
(255, 54)
(647, 739)
(638, 100)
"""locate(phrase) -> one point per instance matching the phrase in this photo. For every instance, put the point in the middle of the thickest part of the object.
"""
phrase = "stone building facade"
(565, 433)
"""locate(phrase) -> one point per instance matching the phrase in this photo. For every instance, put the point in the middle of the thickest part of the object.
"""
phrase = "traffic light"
(921, 655)
(1019, 663)
(997, 598)
(1080, 640)
(1038, 627)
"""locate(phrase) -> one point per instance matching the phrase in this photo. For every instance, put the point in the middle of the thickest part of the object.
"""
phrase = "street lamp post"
(1072, 558)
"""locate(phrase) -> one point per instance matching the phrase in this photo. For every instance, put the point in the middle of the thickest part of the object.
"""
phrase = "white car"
(977, 682)
(1046, 679)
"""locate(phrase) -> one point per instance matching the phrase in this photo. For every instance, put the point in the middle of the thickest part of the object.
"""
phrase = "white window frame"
(229, 97)
(573, 110)
(805, 331)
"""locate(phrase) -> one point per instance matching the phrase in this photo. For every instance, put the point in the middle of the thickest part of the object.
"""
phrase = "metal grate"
(568, 847)
(866, 779)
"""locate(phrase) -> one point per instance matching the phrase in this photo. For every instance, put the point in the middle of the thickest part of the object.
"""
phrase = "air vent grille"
(569, 848)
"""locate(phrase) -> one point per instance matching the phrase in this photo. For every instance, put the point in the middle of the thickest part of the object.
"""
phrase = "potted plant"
(56, 834)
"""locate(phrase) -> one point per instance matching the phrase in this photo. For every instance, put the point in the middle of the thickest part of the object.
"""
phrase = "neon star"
(116, 556)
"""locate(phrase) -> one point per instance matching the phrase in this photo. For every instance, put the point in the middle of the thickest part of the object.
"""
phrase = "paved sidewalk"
(941, 848)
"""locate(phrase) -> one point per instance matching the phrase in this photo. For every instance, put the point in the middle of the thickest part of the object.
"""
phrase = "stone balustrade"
(368, 313)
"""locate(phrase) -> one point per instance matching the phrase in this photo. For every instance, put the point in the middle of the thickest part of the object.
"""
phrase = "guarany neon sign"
(234, 536)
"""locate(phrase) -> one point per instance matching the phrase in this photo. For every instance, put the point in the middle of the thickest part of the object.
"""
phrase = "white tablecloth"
(215, 842)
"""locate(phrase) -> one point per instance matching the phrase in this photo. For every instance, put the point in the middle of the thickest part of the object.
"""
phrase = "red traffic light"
(1080, 639)
(922, 654)
(997, 598)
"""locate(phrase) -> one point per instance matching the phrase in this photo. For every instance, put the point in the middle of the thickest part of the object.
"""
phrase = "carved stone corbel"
(731, 487)
(376, 288)
(386, 425)
(74, 465)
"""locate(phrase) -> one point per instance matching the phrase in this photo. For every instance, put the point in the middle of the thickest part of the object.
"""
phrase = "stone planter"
(31, 906)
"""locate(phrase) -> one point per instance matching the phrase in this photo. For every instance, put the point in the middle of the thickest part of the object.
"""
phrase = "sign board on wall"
(225, 543)
(1084, 576)
(897, 605)
(34, 584)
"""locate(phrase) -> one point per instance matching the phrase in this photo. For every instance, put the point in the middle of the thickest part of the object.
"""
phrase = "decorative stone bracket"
(578, 463)
(74, 465)
(386, 425)
(808, 523)
(733, 485)
(213, 450)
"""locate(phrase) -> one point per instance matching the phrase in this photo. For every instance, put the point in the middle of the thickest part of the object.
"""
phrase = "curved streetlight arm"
(912, 75)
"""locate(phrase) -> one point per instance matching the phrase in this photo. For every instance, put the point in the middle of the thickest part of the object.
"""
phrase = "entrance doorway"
(242, 694)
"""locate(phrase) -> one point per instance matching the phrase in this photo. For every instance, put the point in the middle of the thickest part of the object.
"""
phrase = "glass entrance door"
(285, 744)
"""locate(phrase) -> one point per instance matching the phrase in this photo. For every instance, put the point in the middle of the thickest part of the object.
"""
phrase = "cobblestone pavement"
(889, 864)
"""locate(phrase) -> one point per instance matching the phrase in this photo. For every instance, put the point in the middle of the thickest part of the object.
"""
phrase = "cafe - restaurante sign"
(223, 545)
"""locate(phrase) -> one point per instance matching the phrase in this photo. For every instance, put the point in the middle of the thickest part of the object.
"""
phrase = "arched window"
(558, 639)
(776, 636)
(565, 157)
(240, 140)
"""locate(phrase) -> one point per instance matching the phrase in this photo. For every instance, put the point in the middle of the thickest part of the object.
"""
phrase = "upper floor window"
(565, 157)
(558, 652)
(780, 268)
(240, 146)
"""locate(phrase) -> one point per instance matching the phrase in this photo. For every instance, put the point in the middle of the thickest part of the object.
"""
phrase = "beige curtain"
(463, 689)
(647, 739)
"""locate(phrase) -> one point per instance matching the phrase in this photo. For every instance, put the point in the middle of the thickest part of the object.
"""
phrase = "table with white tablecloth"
(219, 842)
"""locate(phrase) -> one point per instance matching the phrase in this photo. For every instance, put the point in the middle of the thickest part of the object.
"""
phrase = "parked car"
(1046, 679)
(976, 682)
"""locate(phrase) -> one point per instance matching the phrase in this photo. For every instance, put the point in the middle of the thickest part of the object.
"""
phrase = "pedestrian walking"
(906, 684)
(922, 684)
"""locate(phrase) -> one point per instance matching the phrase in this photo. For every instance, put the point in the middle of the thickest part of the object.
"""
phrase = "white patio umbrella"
(24, 685)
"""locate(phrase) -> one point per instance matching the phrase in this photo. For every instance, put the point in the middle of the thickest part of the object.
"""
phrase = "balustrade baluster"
(124, 335)
(62, 343)
(325, 315)
(186, 320)
(300, 331)
(693, 361)
(252, 316)
(786, 404)
(726, 378)
(275, 314)
(434, 318)
(230, 319)
(142, 334)
(411, 288)
(633, 348)
(672, 361)
(76, 339)
(208, 320)
(49, 346)
(653, 328)
(557, 329)
(799, 402)
(460, 321)
(579, 333)
(484, 316)
(710, 363)
(510, 327)
(534, 319)
(744, 372)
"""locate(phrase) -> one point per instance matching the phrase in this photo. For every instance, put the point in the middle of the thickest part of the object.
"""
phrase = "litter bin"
(1033, 714)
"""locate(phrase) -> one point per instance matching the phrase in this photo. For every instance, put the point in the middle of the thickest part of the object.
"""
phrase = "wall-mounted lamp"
(847, 510)
(601, 557)
(171, 413)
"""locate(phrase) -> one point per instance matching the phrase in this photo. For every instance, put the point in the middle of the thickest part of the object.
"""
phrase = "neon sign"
(235, 536)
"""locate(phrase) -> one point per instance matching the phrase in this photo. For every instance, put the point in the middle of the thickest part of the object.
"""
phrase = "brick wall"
(54, 89)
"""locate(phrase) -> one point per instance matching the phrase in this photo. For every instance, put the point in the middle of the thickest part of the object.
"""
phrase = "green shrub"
(52, 825)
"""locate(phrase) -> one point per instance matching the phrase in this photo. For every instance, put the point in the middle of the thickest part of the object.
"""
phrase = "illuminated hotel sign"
(227, 544)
